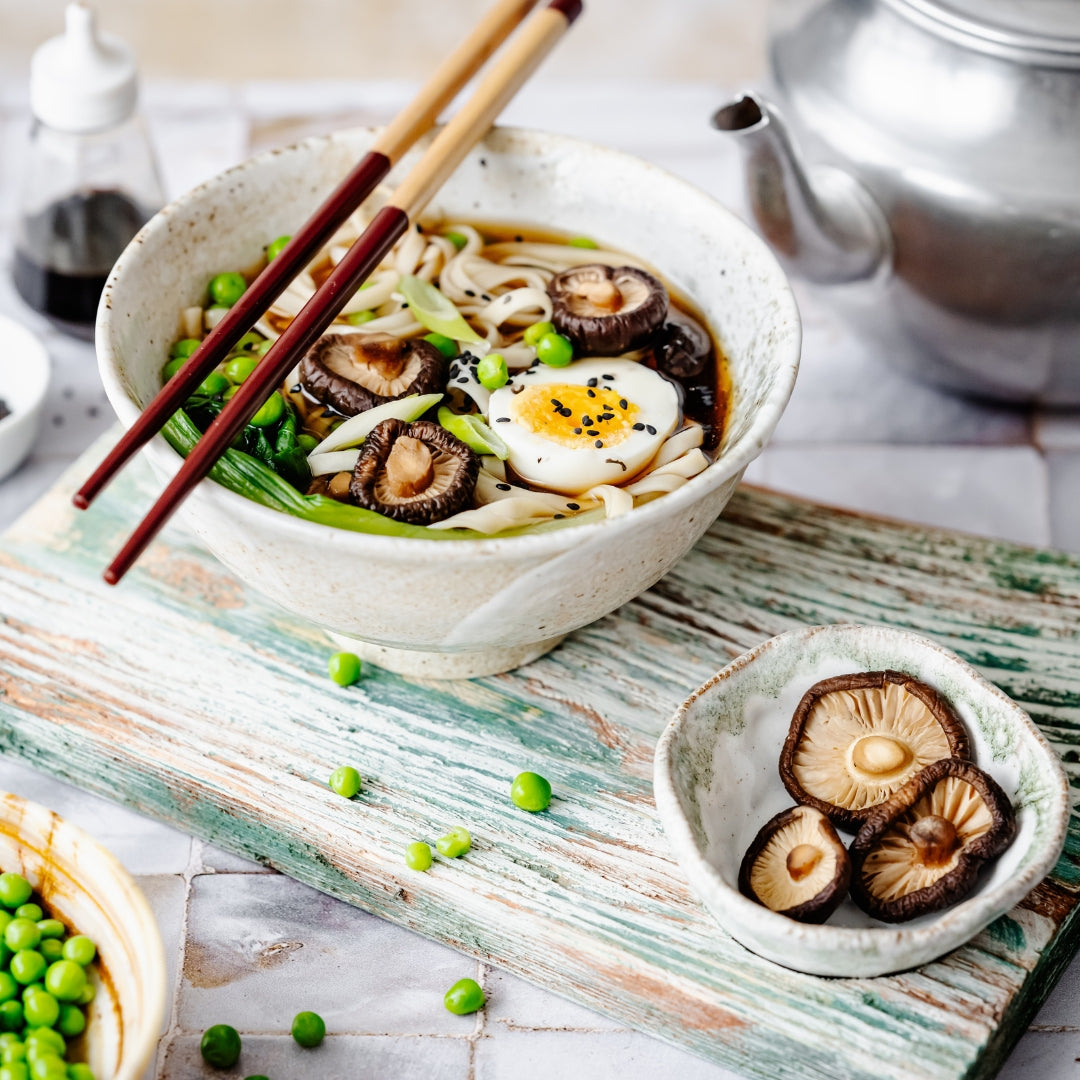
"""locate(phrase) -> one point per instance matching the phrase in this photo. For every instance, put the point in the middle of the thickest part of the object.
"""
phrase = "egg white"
(545, 451)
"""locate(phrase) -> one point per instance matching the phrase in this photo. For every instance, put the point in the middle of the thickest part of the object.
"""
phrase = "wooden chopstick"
(450, 147)
(392, 142)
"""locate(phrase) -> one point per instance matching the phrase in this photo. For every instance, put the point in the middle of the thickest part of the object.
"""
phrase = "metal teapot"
(920, 159)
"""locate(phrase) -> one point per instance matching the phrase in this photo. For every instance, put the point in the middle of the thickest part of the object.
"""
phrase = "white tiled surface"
(251, 947)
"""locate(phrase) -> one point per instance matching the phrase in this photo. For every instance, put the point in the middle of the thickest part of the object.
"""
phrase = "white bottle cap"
(82, 81)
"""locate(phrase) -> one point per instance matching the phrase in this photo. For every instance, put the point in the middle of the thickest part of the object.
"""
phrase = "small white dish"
(24, 379)
(717, 782)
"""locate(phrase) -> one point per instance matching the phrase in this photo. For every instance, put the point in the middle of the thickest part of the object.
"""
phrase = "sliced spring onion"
(357, 428)
(334, 462)
(434, 311)
(474, 433)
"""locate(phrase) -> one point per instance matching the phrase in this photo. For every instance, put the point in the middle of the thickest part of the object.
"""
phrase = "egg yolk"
(575, 416)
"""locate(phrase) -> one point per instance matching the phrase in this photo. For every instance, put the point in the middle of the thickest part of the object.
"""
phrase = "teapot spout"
(823, 223)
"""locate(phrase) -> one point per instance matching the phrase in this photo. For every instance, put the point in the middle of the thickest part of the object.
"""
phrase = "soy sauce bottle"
(90, 182)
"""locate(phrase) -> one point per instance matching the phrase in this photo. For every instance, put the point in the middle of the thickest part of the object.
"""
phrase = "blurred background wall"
(711, 40)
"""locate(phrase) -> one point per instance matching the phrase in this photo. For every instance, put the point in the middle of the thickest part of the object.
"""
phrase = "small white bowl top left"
(24, 380)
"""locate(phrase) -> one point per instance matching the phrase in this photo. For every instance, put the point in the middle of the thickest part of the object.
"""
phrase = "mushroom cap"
(797, 866)
(607, 311)
(417, 473)
(682, 346)
(355, 372)
(856, 739)
(921, 850)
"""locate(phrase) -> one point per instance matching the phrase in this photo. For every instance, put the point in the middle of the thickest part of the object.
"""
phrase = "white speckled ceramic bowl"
(463, 608)
(24, 379)
(717, 783)
(87, 889)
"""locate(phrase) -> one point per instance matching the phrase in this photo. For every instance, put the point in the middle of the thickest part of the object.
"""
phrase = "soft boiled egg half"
(597, 421)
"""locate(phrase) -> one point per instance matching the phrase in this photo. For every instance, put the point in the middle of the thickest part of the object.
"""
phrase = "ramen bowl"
(89, 891)
(465, 607)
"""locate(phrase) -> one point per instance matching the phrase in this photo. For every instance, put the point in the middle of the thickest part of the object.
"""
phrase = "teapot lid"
(1045, 30)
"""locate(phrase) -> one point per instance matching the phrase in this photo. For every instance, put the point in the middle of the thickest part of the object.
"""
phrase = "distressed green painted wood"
(184, 696)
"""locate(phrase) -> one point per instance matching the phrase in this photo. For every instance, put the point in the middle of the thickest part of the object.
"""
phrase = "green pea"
(72, 1021)
(65, 980)
(33, 988)
(51, 928)
(28, 966)
(21, 934)
(308, 1028)
(344, 668)
(271, 412)
(184, 347)
(538, 330)
(5, 918)
(49, 1067)
(79, 1071)
(358, 318)
(307, 443)
(455, 843)
(226, 289)
(32, 912)
(231, 393)
(531, 792)
(80, 949)
(51, 948)
(13, 1052)
(583, 242)
(41, 1009)
(240, 367)
(459, 240)
(555, 350)
(88, 994)
(464, 997)
(43, 1038)
(491, 371)
(16, 1070)
(276, 247)
(9, 988)
(446, 345)
(418, 856)
(172, 367)
(15, 890)
(220, 1046)
(11, 1016)
(262, 348)
(214, 384)
(345, 780)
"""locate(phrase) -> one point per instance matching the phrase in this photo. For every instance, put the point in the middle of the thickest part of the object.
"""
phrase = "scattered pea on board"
(308, 1029)
(455, 843)
(464, 997)
(418, 856)
(220, 1046)
(345, 780)
(531, 792)
(344, 668)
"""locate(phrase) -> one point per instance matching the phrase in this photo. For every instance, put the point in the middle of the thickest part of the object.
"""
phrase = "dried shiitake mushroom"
(416, 472)
(356, 372)
(856, 739)
(605, 311)
(921, 850)
(797, 866)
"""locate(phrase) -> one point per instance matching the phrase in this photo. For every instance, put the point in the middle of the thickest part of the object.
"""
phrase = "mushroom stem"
(935, 838)
(801, 860)
(409, 467)
(602, 294)
(880, 755)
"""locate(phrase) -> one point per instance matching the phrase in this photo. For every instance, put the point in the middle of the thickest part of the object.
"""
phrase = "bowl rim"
(35, 360)
(878, 941)
(764, 418)
(152, 952)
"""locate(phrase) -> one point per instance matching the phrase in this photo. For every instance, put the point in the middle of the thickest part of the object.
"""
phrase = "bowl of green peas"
(82, 967)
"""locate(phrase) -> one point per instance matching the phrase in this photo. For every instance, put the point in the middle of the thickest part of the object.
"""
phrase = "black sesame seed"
(639, 427)
(577, 431)
(484, 296)
(469, 292)
(558, 517)
(591, 433)
(592, 382)
(572, 506)
(591, 393)
(623, 404)
(565, 412)
(586, 421)
(518, 239)
(557, 403)
(650, 429)
(418, 229)
(502, 419)
(464, 379)
(483, 162)
(503, 487)
(607, 376)
(599, 444)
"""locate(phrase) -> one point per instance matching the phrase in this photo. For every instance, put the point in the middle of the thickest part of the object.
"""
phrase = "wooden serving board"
(188, 697)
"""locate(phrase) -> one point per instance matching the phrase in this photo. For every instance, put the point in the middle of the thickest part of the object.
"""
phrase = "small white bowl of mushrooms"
(856, 800)
(24, 379)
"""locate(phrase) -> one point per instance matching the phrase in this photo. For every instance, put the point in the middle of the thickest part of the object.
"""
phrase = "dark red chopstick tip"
(569, 9)
(111, 577)
(80, 501)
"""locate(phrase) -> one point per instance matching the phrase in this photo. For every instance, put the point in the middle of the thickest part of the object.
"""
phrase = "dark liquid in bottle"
(66, 251)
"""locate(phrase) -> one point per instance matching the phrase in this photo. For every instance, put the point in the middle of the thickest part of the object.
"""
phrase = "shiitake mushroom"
(797, 866)
(922, 849)
(356, 372)
(856, 739)
(607, 311)
(682, 346)
(417, 473)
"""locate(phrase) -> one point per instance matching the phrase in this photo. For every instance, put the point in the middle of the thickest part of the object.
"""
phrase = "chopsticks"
(512, 70)
(392, 142)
